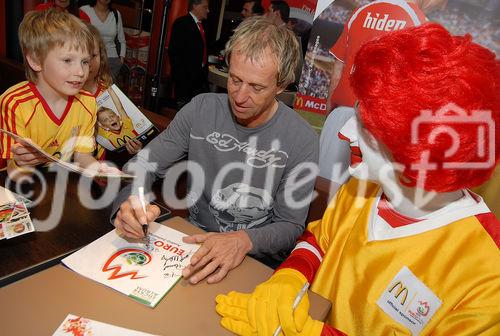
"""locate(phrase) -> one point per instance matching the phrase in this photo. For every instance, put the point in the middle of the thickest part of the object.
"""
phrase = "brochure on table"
(80, 326)
(143, 271)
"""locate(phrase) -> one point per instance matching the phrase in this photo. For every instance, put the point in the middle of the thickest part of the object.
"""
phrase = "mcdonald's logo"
(400, 291)
(299, 101)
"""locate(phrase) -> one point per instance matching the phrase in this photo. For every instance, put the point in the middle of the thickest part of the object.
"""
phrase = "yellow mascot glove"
(298, 322)
(233, 309)
(261, 307)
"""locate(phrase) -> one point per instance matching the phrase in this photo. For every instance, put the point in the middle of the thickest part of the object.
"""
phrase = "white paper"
(81, 326)
(144, 274)
(69, 166)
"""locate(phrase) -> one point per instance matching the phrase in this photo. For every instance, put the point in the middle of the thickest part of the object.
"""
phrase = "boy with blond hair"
(49, 107)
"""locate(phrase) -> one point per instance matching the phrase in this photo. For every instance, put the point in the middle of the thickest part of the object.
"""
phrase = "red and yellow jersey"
(25, 112)
(436, 275)
(101, 87)
(127, 132)
(366, 23)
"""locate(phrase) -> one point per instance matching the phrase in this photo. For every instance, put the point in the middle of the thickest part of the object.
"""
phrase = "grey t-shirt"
(247, 178)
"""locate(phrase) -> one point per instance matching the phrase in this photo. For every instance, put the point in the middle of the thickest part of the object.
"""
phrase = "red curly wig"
(403, 73)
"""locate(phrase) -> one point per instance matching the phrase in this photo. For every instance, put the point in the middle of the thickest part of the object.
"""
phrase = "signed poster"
(144, 272)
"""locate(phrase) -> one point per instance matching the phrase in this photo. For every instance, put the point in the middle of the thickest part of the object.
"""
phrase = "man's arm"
(291, 203)
(152, 163)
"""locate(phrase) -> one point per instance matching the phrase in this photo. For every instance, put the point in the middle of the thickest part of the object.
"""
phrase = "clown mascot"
(404, 248)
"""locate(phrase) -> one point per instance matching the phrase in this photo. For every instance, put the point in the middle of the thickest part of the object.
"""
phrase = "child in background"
(49, 108)
(99, 76)
(100, 80)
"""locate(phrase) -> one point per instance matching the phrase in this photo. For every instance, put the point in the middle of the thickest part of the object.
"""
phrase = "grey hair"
(257, 33)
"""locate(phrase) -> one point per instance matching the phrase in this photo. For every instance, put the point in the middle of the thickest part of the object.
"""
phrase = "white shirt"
(108, 29)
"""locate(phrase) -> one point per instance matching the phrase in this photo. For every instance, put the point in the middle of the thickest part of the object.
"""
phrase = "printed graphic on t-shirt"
(240, 206)
(258, 158)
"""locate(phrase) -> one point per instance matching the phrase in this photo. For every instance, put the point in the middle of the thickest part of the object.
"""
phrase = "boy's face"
(95, 61)
(63, 72)
(109, 120)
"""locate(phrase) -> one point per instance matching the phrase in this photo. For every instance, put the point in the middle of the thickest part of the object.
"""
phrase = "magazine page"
(120, 121)
(145, 272)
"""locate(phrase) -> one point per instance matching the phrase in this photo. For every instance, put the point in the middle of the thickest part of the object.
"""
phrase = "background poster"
(480, 18)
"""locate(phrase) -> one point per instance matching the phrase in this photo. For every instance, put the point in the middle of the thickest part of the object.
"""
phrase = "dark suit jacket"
(186, 56)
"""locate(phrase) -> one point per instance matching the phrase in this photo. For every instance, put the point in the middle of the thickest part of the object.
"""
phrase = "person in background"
(68, 5)
(279, 12)
(188, 53)
(49, 108)
(98, 81)
(258, 158)
(109, 23)
(252, 8)
(99, 78)
(405, 248)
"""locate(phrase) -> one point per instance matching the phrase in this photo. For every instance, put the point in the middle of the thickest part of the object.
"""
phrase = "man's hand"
(25, 156)
(133, 146)
(218, 254)
(130, 217)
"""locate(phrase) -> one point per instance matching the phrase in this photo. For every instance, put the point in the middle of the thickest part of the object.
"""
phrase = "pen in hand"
(296, 302)
(144, 225)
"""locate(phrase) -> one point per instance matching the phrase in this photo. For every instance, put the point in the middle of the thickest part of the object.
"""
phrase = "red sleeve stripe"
(309, 247)
(491, 225)
(5, 111)
(7, 100)
(331, 331)
(307, 236)
(304, 261)
(13, 111)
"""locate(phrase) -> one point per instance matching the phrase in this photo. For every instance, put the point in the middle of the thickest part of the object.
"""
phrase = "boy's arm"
(84, 159)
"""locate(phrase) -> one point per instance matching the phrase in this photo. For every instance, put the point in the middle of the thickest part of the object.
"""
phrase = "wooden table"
(38, 304)
(75, 228)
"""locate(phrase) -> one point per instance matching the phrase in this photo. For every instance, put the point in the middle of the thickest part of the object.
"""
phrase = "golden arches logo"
(400, 290)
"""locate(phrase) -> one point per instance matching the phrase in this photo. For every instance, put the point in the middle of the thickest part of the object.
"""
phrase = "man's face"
(273, 14)
(247, 9)
(252, 88)
(201, 10)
